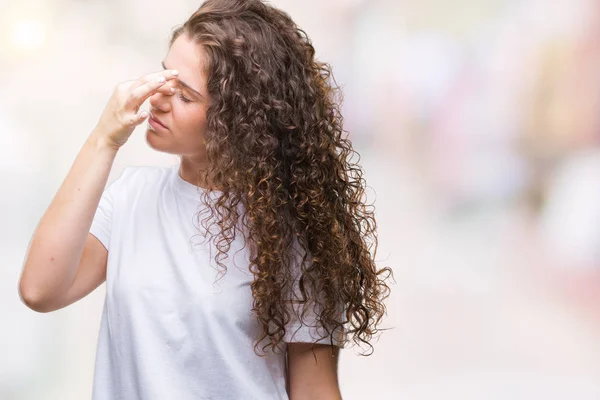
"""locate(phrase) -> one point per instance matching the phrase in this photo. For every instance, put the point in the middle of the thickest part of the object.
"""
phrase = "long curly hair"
(275, 146)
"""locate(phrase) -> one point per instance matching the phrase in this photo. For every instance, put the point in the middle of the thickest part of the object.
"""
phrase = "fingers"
(167, 89)
(169, 74)
(142, 92)
(140, 117)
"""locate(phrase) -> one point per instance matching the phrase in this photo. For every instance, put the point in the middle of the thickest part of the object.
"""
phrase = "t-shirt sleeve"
(308, 329)
(102, 222)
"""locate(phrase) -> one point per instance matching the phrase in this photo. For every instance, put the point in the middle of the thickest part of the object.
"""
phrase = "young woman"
(260, 310)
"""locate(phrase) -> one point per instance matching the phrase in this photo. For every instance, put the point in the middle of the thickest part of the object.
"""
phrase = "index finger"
(168, 74)
(142, 92)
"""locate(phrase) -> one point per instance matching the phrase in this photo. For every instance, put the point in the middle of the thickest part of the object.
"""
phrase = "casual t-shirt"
(168, 330)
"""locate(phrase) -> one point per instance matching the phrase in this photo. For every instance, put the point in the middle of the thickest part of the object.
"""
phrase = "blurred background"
(479, 133)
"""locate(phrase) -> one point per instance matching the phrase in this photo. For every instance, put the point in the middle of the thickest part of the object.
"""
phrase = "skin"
(185, 118)
(313, 372)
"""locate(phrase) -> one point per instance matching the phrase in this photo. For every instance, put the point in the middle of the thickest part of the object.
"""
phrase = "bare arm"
(57, 244)
(313, 372)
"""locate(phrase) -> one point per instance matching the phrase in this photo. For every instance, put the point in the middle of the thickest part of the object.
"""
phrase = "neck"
(192, 171)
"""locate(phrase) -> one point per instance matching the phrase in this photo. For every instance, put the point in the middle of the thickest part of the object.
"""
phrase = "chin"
(159, 142)
(154, 140)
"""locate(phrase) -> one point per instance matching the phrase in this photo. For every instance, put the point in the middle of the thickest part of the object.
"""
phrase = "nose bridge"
(160, 101)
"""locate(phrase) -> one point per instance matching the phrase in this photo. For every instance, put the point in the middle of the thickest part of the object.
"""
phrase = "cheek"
(199, 124)
(191, 124)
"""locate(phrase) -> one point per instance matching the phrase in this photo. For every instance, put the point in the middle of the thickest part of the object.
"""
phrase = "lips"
(158, 120)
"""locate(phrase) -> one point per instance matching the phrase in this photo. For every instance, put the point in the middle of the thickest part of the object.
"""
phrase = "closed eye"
(183, 98)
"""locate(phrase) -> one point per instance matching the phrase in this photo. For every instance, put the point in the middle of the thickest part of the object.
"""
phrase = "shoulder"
(145, 173)
(134, 178)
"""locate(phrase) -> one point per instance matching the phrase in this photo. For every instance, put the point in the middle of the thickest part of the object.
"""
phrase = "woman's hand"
(121, 115)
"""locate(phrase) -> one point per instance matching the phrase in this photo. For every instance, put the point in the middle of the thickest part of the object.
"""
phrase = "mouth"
(156, 122)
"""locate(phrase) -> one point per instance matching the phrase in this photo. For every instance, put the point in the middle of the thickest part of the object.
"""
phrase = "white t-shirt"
(168, 331)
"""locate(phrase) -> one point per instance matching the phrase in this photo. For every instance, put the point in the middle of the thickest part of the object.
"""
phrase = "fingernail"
(172, 90)
(161, 79)
(175, 72)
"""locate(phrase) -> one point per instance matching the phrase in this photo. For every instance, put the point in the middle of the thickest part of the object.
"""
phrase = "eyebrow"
(182, 82)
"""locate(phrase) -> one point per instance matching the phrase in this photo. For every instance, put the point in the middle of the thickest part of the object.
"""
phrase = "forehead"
(188, 58)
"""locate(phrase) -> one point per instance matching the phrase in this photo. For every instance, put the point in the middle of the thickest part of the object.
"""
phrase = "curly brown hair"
(275, 145)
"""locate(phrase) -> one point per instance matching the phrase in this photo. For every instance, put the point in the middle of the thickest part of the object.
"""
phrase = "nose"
(160, 101)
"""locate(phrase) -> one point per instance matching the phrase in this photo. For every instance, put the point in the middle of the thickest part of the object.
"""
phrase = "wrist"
(99, 142)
